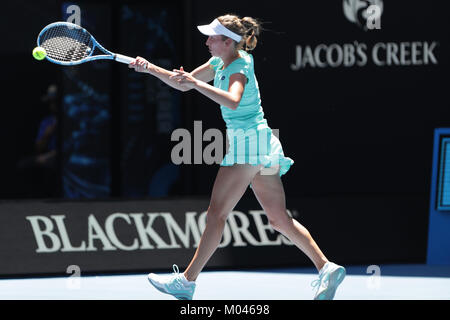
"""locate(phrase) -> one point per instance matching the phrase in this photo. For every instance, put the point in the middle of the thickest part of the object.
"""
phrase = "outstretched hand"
(184, 78)
(139, 65)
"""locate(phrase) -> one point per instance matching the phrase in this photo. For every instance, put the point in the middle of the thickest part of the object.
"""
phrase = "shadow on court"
(397, 270)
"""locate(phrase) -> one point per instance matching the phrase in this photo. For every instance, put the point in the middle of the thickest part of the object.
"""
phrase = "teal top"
(250, 139)
(249, 113)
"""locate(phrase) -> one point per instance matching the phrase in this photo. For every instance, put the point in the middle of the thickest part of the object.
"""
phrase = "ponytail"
(247, 27)
(253, 29)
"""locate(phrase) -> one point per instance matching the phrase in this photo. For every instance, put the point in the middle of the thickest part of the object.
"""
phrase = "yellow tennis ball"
(39, 53)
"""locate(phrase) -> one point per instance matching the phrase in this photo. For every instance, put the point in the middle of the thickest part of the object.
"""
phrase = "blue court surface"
(386, 282)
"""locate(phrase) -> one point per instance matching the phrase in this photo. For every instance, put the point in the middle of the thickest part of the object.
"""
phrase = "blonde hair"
(247, 27)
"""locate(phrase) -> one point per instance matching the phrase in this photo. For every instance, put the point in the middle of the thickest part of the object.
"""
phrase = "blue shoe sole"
(334, 281)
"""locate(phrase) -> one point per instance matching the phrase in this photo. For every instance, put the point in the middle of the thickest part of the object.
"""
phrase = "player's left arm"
(230, 99)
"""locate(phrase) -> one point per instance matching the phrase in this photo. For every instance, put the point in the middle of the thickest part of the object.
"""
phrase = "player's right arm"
(204, 73)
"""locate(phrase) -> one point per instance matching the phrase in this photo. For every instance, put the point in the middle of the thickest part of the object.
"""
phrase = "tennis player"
(235, 89)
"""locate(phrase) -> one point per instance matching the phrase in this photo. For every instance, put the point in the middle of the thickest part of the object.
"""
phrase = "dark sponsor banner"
(48, 237)
(42, 238)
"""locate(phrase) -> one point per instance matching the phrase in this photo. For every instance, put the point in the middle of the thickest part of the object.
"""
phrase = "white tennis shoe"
(330, 277)
(175, 284)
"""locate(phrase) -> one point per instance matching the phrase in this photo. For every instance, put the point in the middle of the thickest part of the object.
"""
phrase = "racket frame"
(107, 56)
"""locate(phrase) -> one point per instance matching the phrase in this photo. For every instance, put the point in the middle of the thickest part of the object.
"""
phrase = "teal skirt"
(257, 146)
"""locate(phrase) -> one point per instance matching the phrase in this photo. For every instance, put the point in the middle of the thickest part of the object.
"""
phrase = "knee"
(216, 215)
(280, 221)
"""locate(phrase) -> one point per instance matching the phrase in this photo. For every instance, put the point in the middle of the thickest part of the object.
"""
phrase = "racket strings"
(66, 44)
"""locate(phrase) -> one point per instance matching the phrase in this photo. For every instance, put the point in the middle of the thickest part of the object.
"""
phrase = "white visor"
(216, 28)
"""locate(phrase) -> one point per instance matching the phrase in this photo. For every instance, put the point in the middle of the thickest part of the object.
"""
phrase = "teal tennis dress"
(251, 140)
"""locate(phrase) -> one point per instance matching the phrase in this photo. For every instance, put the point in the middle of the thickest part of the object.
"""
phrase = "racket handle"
(123, 59)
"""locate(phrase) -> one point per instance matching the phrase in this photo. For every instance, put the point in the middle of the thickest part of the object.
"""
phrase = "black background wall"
(361, 135)
(352, 129)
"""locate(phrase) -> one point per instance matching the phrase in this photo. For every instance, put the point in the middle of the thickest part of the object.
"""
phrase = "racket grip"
(123, 59)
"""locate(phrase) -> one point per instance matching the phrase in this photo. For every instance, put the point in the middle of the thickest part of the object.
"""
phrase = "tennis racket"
(69, 44)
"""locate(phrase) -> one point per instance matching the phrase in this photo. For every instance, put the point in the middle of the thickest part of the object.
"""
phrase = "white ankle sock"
(323, 268)
(186, 281)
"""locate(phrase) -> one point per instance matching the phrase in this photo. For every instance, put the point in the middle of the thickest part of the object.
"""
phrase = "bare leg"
(231, 183)
(270, 194)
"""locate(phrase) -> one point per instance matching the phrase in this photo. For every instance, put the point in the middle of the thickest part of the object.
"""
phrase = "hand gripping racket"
(69, 44)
